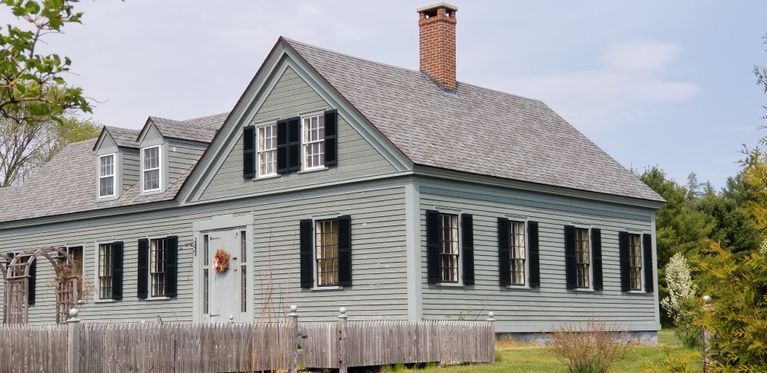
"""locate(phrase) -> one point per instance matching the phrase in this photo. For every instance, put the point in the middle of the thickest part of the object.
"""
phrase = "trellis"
(16, 271)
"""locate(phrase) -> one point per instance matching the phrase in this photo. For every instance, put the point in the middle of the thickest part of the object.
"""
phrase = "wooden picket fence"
(233, 347)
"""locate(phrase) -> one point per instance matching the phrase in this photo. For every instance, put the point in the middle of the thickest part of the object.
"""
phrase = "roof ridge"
(289, 40)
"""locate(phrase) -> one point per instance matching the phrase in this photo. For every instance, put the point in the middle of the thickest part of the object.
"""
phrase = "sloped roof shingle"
(475, 129)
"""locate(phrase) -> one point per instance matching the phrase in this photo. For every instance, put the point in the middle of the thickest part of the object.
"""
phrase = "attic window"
(107, 176)
(151, 170)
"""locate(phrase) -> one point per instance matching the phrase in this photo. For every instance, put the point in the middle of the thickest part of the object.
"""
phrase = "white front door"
(224, 269)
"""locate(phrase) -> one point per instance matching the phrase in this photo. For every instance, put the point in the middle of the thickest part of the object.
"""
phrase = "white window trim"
(316, 287)
(525, 221)
(96, 262)
(149, 296)
(305, 169)
(159, 168)
(589, 289)
(450, 211)
(113, 176)
(641, 258)
(258, 127)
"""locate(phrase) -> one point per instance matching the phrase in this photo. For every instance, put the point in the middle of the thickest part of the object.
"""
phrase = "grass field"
(512, 357)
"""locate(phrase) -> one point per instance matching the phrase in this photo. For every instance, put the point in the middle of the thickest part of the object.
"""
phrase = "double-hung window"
(517, 252)
(326, 251)
(449, 248)
(106, 252)
(152, 168)
(313, 141)
(107, 175)
(635, 262)
(582, 258)
(158, 250)
(267, 150)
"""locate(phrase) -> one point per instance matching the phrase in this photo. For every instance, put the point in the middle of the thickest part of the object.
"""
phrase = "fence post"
(342, 364)
(705, 336)
(295, 338)
(491, 353)
(73, 342)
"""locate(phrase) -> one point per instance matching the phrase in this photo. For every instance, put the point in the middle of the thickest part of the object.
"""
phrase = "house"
(337, 181)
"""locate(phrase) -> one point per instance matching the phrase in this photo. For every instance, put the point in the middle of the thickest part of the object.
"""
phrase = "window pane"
(582, 259)
(105, 271)
(106, 186)
(151, 179)
(448, 232)
(157, 261)
(106, 166)
(151, 158)
(314, 141)
(517, 251)
(267, 150)
(635, 262)
(326, 249)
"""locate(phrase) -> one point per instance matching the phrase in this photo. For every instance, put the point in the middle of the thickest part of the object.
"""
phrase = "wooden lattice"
(16, 273)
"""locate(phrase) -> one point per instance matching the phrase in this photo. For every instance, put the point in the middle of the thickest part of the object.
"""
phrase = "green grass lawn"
(534, 358)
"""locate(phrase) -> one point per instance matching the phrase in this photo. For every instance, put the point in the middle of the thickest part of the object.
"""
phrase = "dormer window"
(107, 176)
(152, 169)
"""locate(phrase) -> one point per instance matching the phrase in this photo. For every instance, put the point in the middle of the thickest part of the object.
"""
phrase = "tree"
(32, 86)
(761, 73)
(26, 147)
(737, 318)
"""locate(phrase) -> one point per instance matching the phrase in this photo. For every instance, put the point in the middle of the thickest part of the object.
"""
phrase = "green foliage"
(733, 225)
(32, 86)
(737, 318)
(672, 363)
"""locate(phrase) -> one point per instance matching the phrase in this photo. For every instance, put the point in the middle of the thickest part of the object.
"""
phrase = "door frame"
(218, 223)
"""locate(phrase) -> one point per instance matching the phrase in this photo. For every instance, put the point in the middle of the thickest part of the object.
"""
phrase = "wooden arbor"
(16, 270)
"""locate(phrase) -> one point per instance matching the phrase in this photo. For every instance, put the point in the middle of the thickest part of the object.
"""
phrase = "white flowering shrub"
(680, 288)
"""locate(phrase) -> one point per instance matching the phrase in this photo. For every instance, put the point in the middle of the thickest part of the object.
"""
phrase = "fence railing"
(208, 347)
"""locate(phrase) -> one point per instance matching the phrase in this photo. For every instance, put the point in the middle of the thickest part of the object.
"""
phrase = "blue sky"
(651, 82)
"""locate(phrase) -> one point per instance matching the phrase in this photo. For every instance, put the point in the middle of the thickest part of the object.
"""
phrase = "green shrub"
(592, 347)
(673, 363)
(737, 318)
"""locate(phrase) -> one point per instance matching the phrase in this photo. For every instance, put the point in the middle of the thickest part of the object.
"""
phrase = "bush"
(737, 318)
(679, 303)
(673, 363)
(589, 348)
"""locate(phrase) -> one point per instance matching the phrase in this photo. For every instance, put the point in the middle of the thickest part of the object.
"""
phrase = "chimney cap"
(437, 6)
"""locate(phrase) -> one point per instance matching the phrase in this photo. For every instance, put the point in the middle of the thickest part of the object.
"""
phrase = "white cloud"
(644, 57)
(631, 81)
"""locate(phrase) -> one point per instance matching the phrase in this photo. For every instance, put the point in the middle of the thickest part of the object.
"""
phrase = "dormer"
(153, 159)
(116, 162)
(169, 148)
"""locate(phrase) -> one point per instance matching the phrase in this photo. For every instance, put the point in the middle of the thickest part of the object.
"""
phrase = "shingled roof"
(473, 129)
(74, 168)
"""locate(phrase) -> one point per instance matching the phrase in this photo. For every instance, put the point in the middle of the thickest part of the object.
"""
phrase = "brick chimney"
(436, 31)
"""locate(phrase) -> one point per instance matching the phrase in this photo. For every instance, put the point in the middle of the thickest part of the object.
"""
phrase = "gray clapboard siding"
(290, 97)
(130, 167)
(526, 310)
(378, 253)
(182, 155)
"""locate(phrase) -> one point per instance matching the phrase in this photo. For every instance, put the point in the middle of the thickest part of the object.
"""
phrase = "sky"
(665, 83)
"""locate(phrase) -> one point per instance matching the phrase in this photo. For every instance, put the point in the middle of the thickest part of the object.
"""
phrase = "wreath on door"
(221, 261)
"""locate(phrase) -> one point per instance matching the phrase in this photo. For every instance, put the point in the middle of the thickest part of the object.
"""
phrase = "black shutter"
(534, 263)
(432, 246)
(282, 147)
(570, 256)
(623, 251)
(248, 152)
(504, 263)
(171, 266)
(649, 270)
(294, 144)
(142, 277)
(307, 254)
(596, 254)
(117, 270)
(331, 138)
(345, 251)
(467, 241)
(32, 282)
